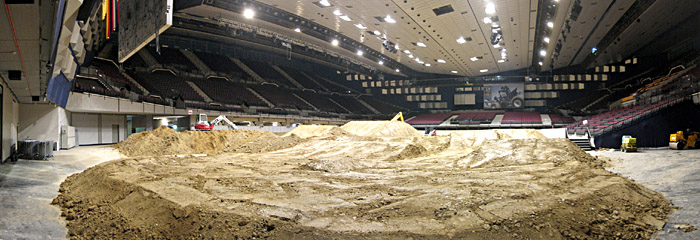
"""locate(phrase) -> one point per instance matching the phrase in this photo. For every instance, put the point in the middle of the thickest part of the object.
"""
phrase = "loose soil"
(322, 182)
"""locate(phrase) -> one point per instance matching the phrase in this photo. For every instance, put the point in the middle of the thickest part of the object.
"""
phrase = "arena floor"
(404, 189)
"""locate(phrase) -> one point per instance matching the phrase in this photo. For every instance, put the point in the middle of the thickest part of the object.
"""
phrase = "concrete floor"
(28, 186)
(673, 173)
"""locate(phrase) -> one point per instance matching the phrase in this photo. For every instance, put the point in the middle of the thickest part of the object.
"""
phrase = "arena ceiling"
(432, 30)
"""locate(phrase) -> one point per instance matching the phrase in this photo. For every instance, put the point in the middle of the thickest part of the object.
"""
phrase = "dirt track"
(349, 183)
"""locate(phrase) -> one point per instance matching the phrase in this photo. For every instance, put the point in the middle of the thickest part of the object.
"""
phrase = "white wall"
(87, 127)
(96, 128)
(10, 119)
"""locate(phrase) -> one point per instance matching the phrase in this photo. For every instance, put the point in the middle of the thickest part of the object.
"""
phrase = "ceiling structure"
(418, 24)
(26, 58)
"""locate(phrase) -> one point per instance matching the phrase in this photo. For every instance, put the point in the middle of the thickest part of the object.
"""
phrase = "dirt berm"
(353, 184)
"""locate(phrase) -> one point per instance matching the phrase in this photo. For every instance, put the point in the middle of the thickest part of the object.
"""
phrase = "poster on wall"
(503, 96)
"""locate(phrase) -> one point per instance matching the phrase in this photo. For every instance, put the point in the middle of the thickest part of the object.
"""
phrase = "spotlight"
(381, 62)
(248, 13)
(359, 52)
(334, 42)
(490, 8)
(297, 29)
(550, 24)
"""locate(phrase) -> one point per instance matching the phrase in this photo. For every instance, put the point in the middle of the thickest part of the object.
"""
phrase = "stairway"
(316, 82)
(374, 110)
(583, 143)
(148, 58)
(335, 83)
(137, 84)
(200, 92)
(546, 120)
(289, 78)
(247, 70)
(339, 105)
(304, 100)
(201, 66)
(269, 104)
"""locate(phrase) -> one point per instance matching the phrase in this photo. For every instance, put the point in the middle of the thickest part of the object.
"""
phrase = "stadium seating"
(224, 91)
(172, 57)
(112, 73)
(320, 101)
(475, 118)
(558, 119)
(351, 104)
(222, 64)
(381, 106)
(168, 85)
(521, 118)
(300, 78)
(268, 73)
(280, 97)
(433, 118)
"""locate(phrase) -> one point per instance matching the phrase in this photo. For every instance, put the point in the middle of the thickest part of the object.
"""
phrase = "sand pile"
(381, 129)
(473, 185)
(165, 141)
(319, 131)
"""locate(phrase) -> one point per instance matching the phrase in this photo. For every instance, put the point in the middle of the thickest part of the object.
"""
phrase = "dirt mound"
(475, 138)
(165, 141)
(381, 129)
(319, 131)
(485, 185)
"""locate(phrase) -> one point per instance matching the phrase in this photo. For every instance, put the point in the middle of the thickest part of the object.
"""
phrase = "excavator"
(204, 125)
(687, 139)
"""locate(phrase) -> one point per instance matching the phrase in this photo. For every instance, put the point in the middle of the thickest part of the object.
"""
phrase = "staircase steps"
(289, 78)
(200, 92)
(269, 104)
(148, 58)
(374, 110)
(316, 82)
(304, 100)
(247, 70)
(197, 62)
(583, 143)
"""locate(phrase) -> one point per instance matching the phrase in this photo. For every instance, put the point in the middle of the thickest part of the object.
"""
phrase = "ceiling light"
(440, 61)
(543, 52)
(325, 3)
(497, 45)
(540, 63)
(346, 18)
(487, 20)
(334, 42)
(495, 25)
(381, 62)
(453, 71)
(483, 70)
(360, 26)
(546, 39)
(248, 13)
(461, 40)
(501, 60)
(550, 24)
(397, 46)
(376, 32)
(410, 55)
(490, 8)
(297, 29)
(474, 59)
(427, 64)
(418, 59)
(420, 44)
(337, 12)
(389, 19)
(406, 51)
(359, 52)
(397, 70)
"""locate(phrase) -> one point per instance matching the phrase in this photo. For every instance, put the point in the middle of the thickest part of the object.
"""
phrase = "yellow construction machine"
(398, 117)
(680, 140)
(629, 144)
